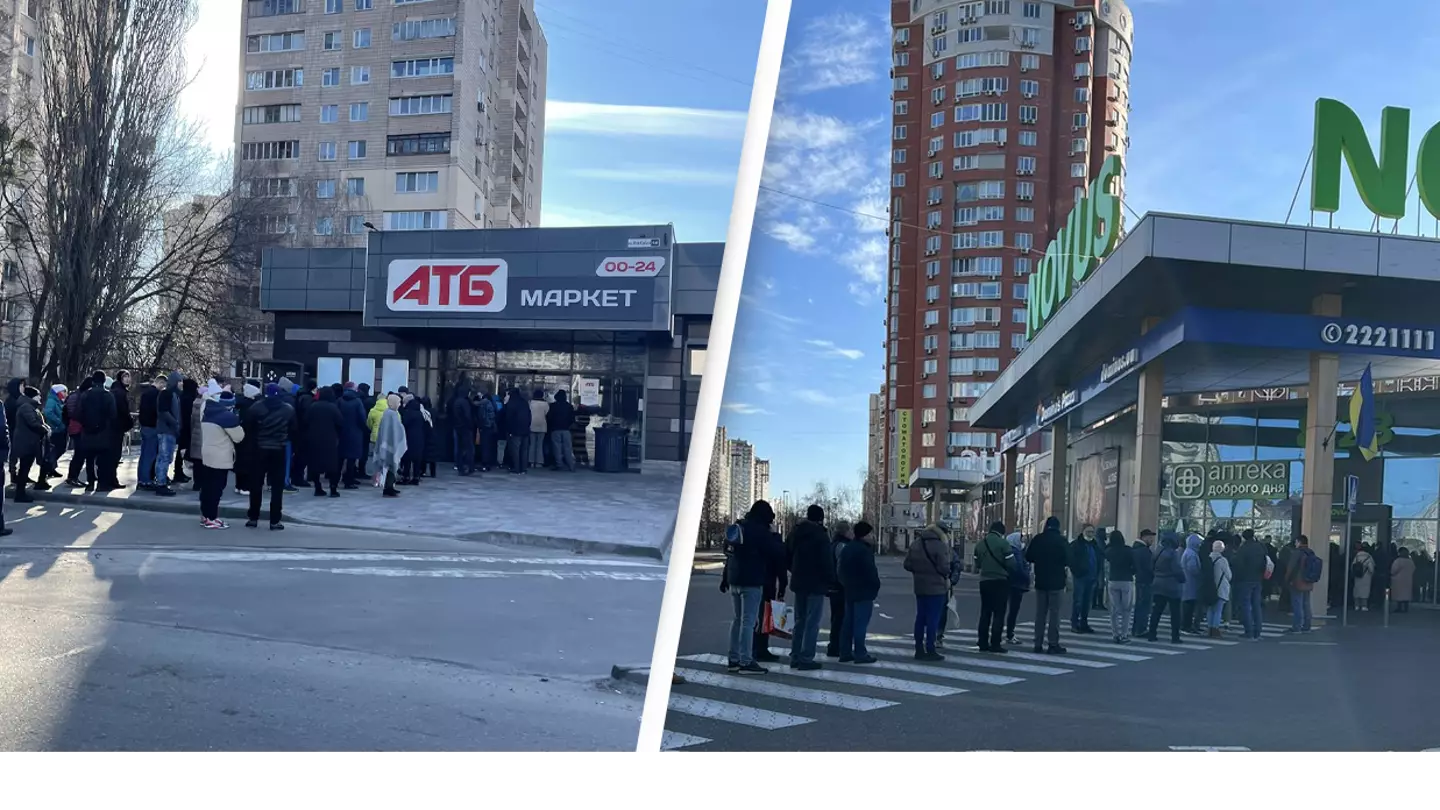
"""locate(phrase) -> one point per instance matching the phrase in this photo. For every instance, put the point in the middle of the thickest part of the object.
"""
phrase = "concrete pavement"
(127, 630)
(597, 513)
(1361, 688)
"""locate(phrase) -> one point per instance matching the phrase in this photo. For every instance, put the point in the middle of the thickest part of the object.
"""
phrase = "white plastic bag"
(782, 617)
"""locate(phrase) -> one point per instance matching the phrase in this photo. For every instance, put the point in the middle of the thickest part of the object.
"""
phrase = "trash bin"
(612, 448)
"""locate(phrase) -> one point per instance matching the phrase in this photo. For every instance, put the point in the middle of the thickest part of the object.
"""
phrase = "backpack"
(92, 414)
(1357, 569)
(1209, 591)
(1311, 568)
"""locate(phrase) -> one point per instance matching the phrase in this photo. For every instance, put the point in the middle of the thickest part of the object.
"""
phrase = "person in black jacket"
(302, 401)
(354, 434)
(777, 580)
(1049, 557)
(462, 423)
(1143, 556)
(272, 422)
(368, 401)
(432, 444)
(28, 440)
(748, 555)
(149, 442)
(837, 591)
(98, 425)
(516, 416)
(414, 423)
(1085, 562)
(1120, 582)
(559, 419)
(5, 531)
(189, 392)
(322, 428)
(13, 396)
(812, 566)
(860, 581)
(1249, 575)
(124, 423)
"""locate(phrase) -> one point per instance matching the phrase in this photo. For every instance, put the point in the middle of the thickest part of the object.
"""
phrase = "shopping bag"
(782, 618)
(767, 625)
(954, 609)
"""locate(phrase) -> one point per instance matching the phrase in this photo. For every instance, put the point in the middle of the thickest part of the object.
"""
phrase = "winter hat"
(272, 390)
(1218, 547)
(285, 384)
(59, 390)
(393, 401)
(226, 398)
(109, 381)
(250, 391)
(31, 391)
(350, 386)
(212, 390)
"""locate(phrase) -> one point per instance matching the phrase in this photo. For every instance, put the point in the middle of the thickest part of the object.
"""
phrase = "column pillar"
(1060, 475)
(1319, 474)
(1009, 476)
(1144, 511)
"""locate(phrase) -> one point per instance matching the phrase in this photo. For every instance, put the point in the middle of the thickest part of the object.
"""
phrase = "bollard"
(1387, 607)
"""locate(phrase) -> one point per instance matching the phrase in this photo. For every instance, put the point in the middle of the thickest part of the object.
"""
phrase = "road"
(139, 631)
(1360, 688)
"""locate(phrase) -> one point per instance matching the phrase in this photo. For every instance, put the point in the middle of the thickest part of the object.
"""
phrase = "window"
(927, 391)
(360, 111)
(334, 6)
(362, 38)
(930, 366)
(364, 5)
(965, 163)
(1025, 165)
(420, 105)
(1082, 44)
(29, 46)
(902, 36)
(927, 415)
(324, 189)
(329, 113)
(1030, 10)
(274, 79)
(1024, 214)
(270, 150)
(1029, 114)
(1029, 61)
(1029, 88)
(927, 462)
(277, 224)
(932, 220)
(934, 195)
(965, 241)
(414, 220)
(433, 144)
(937, 169)
(272, 8)
(355, 224)
(1018, 341)
(1025, 241)
(330, 77)
(902, 58)
(272, 114)
(1082, 70)
(263, 43)
(412, 68)
(900, 132)
(360, 74)
(1077, 169)
(357, 150)
(327, 151)
(932, 267)
(898, 156)
(937, 96)
(997, 7)
(936, 144)
(991, 213)
(932, 317)
(1021, 291)
(423, 29)
(1022, 265)
(1079, 121)
(324, 226)
(974, 34)
(355, 186)
(932, 244)
(269, 187)
(1082, 95)
(1078, 146)
(938, 44)
(897, 180)
(965, 216)
(937, 70)
(937, 120)
(902, 82)
(416, 182)
(1019, 315)
(902, 107)
(992, 239)
(1028, 137)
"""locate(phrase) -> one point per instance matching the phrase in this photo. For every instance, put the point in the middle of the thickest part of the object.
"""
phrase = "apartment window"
(937, 96)
(324, 226)
(355, 186)
(897, 180)
(416, 182)
(932, 244)
(902, 36)
(423, 29)
(1029, 88)
(898, 156)
(330, 77)
(360, 111)
(1030, 10)
(938, 44)
(1025, 165)
(902, 107)
(1024, 214)
(272, 114)
(420, 105)
(331, 40)
(1029, 114)
(937, 169)
(357, 150)
(936, 144)
(272, 8)
(937, 120)
(1083, 18)
(1030, 36)
(934, 195)
(355, 224)
(1029, 61)
(997, 7)
(927, 415)
(965, 241)
(962, 366)
(991, 190)
(902, 83)
(1021, 291)
(1077, 169)
(1022, 266)
(1018, 341)
(927, 391)
(274, 79)
(1025, 241)
(1028, 137)
(1079, 121)
(1024, 190)
(965, 163)
(270, 43)
(932, 293)
(927, 463)
(270, 187)
(360, 74)
(965, 216)
(329, 113)
(1082, 95)
(937, 70)
(414, 68)
(325, 189)
(415, 220)
(283, 223)
(364, 5)
(327, 151)
(932, 220)
(930, 367)
(932, 317)
(334, 6)
(1019, 315)
(992, 239)
(1082, 44)
(1082, 70)
(932, 267)
(270, 150)
(974, 34)
(900, 132)
(431, 144)
(362, 38)
(991, 213)
(902, 58)
(1078, 146)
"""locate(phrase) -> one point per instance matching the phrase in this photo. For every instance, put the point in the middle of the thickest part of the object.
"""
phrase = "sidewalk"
(585, 512)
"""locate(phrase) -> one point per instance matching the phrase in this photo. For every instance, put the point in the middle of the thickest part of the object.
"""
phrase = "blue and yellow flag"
(1362, 416)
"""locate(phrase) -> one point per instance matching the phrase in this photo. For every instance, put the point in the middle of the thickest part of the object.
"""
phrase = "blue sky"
(1222, 105)
(646, 108)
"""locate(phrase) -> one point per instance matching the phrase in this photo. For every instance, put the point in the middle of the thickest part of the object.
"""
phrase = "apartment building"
(407, 114)
(762, 479)
(742, 475)
(870, 496)
(1002, 112)
(21, 69)
(720, 510)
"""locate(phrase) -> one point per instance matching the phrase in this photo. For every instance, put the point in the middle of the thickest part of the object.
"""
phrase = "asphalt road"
(1354, 689)
(139, 631)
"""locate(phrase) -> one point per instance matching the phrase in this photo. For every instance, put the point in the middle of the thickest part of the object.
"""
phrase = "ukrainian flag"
(1362, 416)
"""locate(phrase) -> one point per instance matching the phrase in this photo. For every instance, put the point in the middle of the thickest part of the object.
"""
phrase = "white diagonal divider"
(671, 740)
(762, 686)
(843, 676)
(732, 713)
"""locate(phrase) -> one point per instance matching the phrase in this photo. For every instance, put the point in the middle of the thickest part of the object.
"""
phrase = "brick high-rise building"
(1002, 112)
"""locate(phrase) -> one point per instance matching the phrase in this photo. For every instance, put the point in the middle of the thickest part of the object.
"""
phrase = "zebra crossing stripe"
(986, 663)
(841, 676)
(946, 672)
(732, 713)
(1013, 654)
(1148, 646)
(1111, 646)
(760, 686)
(1208, 748)
(671, 740)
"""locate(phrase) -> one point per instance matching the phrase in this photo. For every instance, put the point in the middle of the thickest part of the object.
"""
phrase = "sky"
(646, 111)
(1222, 100)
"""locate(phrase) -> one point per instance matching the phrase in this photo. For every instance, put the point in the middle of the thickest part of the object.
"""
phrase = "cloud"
(670, 175)
(813, 397)
(562, 216)
(841, 50)
(743, 408)
(866, 260)
(794, 236)
(831, 350)
(623, 120)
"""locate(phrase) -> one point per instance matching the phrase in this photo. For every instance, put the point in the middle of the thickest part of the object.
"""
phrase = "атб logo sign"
(446, 285)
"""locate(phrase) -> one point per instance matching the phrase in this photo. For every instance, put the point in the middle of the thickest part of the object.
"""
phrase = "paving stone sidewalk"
(588, 512)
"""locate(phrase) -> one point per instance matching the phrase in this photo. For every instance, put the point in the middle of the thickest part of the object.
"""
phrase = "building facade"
(721, 511)
(871, 496)
(762, 479)
(742, 475)
(1003, 111)
(21, 74)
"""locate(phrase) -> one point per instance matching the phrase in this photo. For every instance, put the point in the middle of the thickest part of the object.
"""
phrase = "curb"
(182, 505)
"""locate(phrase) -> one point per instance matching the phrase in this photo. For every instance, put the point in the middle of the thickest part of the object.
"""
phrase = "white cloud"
(812, 397)
(562, 216)
(831, 350)
(670, 175)
(744, 409)
(837, 51)
(631, 120)
(866, 260)
(794, 236)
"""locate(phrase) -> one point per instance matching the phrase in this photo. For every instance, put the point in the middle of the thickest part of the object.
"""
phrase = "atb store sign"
(1230, 480)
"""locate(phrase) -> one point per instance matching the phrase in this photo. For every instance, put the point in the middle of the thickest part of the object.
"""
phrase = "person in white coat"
(1221, 570)
(1363, 572)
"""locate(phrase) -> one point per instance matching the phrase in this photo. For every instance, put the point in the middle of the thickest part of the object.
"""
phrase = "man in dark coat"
(28, 440)
(322, 426)
(487, 420)
(777, 579)
(189, 392)
(149, 444)
(354, 434)
(432, 443)
(1049, 558)
(124, 423)
(272, 422)
(812, 567)
(304, 398)
(98, 425)
(5, 531)
(414, 423)
(12, 401)
(559, 419)
(368, 402)
(462, 423)
(516, 419)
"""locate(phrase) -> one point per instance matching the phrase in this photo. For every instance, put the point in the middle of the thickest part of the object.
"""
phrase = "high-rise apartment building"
(21, 69)
(719, 509)
(871, 496)
(742, 475)
(762, 479)
(1002, 112)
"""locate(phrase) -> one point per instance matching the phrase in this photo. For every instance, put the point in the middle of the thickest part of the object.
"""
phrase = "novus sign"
(1382, 181)
(485, 287)
(1089, 234)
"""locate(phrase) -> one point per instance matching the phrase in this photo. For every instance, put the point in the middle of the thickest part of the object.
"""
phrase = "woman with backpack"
(1362, 570)
(1219, 588)
(1305, 570)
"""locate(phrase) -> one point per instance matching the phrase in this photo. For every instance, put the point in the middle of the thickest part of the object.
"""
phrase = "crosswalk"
(711, 698)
